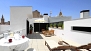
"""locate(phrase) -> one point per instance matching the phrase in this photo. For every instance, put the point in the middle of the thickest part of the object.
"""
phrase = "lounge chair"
(52, 45)
(78, 46)
(86, 47)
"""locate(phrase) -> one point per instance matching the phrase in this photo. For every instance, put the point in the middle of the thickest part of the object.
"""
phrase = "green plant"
(60, 24)
(31, 28)
(47, 27)
(54, 24)
(51, 25)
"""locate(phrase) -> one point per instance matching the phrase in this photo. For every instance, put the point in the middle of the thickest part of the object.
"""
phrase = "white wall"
(84, 14)
(57, 32)
(79, 37)
(18, 16)
(4, 28)
(57, 19)
(46, 18)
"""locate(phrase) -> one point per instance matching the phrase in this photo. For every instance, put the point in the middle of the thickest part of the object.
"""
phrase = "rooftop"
(37, 41)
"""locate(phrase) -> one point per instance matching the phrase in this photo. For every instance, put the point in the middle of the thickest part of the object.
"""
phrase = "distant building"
(60, 14)
(36, 14)
(3, 21)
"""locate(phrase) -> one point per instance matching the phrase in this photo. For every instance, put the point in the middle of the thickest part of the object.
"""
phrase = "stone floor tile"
(42, 50)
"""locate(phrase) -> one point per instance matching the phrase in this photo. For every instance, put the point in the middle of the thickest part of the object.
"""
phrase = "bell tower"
(2, 20)
(60, 13)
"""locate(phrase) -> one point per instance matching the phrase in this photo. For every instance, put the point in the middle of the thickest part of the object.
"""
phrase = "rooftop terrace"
(37, 42)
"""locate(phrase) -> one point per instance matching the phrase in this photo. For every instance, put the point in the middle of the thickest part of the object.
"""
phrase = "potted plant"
(62, 26)
(47, 27)
(31, 28)
(51, 25)
(54, 25)
(59, 25)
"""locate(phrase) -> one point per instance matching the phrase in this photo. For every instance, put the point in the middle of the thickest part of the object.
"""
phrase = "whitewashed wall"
(57, 32)
(45, 17)
(84, 14)
(18, 16)
(4, 28)
(79, 37)
(57, 19)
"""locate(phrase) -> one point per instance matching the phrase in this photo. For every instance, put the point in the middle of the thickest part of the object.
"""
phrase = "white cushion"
(72, 43)
(52, 44)
(83, 50)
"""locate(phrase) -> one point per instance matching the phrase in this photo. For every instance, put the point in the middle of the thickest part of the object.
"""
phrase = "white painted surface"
(4, 28)
(46, 18)
(81, 15)
(18, 16)
(84, 14)
(79, 37)
(58, 32)
(57, 19)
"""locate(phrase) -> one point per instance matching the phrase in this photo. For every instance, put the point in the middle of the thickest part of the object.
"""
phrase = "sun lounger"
(52, 45)
(78, 46)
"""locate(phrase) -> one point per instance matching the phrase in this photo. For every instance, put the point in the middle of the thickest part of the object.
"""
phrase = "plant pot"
(30, 31)
(59, 27)
(51, 27)
(55, 27)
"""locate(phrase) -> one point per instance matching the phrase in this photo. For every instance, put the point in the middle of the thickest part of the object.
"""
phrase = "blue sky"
(68, 7)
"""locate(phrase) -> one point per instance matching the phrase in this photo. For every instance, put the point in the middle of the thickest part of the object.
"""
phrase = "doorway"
(27, 27)
(39, 26)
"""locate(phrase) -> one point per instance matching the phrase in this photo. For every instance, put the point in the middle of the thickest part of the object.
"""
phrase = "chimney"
(85, 14)
(45, 16)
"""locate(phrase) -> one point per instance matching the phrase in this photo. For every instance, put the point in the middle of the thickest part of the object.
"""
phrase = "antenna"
(50, 13)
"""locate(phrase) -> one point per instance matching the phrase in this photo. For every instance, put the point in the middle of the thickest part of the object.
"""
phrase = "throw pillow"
(60, 43)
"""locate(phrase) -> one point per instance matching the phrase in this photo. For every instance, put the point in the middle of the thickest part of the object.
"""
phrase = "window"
(80, 28)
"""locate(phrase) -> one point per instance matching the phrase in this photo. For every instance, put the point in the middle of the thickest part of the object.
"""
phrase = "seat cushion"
(60, 43)
(52, 44)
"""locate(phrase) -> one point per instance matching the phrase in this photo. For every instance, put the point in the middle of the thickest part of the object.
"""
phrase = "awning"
(39, 20)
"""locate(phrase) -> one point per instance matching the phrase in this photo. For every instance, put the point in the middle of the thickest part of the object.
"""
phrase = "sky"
(67, 7)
